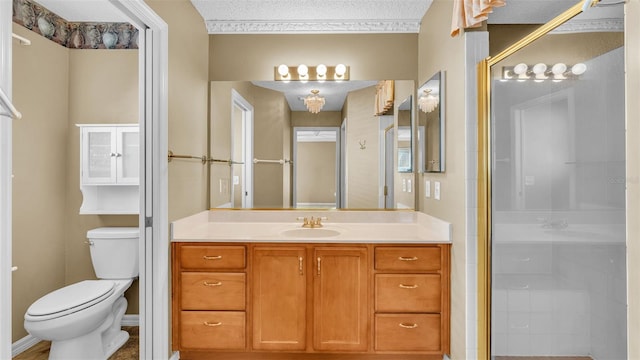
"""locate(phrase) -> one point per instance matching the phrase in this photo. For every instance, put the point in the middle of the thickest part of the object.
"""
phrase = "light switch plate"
(409, 185)
(436, 190)
(427, 188)
(404, 185)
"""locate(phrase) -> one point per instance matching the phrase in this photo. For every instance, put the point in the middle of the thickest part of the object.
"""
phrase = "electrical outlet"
(436, 190)
(427, 188)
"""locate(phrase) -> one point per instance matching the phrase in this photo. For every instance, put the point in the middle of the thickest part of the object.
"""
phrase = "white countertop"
(339, 227)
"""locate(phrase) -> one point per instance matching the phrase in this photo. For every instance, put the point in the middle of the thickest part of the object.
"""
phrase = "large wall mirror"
(553, 159)
(431, 124)
(269, 150)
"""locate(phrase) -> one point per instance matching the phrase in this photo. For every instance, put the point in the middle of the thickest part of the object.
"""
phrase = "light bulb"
(539, 68)
(520, 69)
(283, 70)
(321, 70)
(559, 68)
(341, 69)
(303, 70)
(578, 69)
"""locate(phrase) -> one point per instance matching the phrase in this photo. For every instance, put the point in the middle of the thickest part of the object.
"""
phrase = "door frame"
(484, 172)
(339, 167)
(153, 218)
(239, 101)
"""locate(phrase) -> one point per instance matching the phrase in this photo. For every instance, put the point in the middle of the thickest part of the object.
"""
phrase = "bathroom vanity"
(364, 285)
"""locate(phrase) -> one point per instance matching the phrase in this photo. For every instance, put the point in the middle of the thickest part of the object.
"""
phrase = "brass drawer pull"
(408, 326)
(206, 323)
(300, 266)
(214, 257)
(403, 286)
(217, 283)
(406, 258)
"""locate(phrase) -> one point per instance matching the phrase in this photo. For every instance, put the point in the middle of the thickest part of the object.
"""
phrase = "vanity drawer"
(408, 293)
(408, 258)
(212, 291)
(212, 330)
(410, 332)
(212, 257)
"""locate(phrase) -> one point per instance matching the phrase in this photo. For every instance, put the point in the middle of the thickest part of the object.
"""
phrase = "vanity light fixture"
(540, 72)
(427, 102)
(314, 102)
(304, 72)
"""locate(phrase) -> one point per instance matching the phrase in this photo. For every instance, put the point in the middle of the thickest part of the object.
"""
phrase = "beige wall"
(362, 185)
(316, 172)
(188, 104)
(632, 54)
(41, 92)
(369, 56)
(103, 89)
(321, 119)
(449, 57)
(71, 87)
(272, 119)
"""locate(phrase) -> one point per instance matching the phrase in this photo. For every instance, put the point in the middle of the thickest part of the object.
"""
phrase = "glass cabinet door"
(99, 157)
(128, 155)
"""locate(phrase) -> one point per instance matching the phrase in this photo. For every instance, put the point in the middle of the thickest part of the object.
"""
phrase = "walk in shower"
(557, 150)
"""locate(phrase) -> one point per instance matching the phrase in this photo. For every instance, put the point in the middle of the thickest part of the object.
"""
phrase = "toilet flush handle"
(89, 242)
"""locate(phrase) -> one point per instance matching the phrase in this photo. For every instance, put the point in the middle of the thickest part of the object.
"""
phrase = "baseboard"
(175, 355)
(131, 320)
(23, 345)
(28, 341)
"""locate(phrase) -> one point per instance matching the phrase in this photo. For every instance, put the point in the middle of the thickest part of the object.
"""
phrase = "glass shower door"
(558, 199)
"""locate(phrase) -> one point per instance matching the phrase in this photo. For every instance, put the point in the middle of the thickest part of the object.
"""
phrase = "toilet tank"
(114, 252)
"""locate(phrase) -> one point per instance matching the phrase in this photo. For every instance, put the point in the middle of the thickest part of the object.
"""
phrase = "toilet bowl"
(83, 320)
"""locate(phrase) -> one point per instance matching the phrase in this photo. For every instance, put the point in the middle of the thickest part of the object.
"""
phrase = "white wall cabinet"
(109, 168)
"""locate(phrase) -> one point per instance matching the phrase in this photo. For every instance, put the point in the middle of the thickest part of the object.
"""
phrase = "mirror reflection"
(270, 150)
(431, 125)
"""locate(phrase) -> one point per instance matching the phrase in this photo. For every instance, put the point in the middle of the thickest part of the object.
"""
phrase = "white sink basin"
(310, 233)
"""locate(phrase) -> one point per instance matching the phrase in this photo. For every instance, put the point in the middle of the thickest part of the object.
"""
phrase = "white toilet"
(83, 320)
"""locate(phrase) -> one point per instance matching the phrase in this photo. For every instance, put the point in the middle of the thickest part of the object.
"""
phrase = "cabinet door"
(341, 307)
(98, 155)
(128, 155)
(279, 298)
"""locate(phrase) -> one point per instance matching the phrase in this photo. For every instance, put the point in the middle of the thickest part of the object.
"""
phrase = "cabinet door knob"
(217, 283)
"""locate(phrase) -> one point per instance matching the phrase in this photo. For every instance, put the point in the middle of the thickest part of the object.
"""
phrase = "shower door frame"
(485, 171)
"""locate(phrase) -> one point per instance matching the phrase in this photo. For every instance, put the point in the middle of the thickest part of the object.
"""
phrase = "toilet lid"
(71, 298)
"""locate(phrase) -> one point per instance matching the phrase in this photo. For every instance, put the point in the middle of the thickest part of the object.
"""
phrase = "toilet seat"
(70, 299)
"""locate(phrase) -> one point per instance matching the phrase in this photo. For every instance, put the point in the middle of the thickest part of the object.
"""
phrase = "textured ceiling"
(84, 10)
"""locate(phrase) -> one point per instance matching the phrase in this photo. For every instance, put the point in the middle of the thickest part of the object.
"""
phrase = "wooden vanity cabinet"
(412, 299)
(298, 299)
(279, 299)
(340, 299)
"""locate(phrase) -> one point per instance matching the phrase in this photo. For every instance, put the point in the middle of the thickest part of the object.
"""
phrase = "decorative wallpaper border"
(74, 35)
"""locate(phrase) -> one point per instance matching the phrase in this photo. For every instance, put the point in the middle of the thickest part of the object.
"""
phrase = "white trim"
(154, 239)
(23, 345)
(175, 355)
(131, 320)
(247, 148)
(6, 13)
(312, 27)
